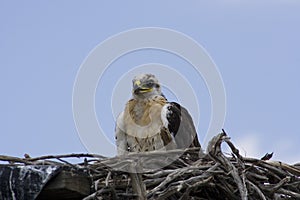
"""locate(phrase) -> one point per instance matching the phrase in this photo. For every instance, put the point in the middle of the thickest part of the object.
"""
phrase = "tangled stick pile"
(193, 175)
(212, 176)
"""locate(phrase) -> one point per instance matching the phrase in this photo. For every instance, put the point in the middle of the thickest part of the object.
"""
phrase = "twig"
(73, 155)
(258, 191)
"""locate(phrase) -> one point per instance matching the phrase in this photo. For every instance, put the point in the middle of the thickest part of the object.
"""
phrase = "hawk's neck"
(142, 110)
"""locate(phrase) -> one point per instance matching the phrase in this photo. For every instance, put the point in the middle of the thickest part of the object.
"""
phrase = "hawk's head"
(145, 86)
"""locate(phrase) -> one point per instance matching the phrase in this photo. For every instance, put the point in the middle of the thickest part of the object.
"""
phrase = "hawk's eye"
(150, 84)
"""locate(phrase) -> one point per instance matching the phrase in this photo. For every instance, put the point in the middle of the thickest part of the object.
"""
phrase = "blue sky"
(255, 45)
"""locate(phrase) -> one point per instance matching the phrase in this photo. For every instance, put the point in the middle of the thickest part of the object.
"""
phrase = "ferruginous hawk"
(149, 122)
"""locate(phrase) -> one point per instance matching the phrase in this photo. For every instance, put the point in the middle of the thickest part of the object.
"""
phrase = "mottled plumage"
(149, 122)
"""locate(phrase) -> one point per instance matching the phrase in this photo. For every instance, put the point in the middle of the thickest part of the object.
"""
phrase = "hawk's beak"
(139, 88)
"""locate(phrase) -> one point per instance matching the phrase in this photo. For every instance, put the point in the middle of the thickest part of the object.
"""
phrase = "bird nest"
(193, 175)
